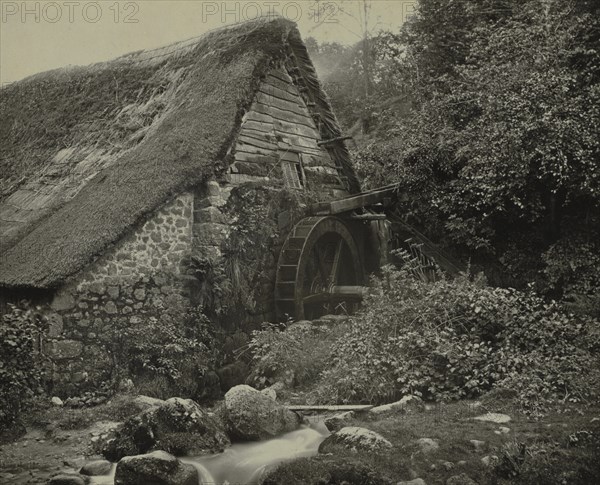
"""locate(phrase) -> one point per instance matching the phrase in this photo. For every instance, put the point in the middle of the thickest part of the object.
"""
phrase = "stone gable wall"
(162, 244)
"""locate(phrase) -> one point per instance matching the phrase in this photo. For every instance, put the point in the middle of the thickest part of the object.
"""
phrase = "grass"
(533, 451)
(119, 408)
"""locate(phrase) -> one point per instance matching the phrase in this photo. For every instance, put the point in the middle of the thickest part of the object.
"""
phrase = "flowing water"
(245, 463)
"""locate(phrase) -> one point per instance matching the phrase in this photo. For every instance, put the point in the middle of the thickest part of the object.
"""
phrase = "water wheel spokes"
(319, 269)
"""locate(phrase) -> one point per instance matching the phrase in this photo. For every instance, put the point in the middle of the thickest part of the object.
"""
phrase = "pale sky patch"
(36, 36)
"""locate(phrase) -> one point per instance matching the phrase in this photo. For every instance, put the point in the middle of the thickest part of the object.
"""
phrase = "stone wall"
(161, 245)
(142, 276)
(155, 272)
(238, 231)
(211, 226)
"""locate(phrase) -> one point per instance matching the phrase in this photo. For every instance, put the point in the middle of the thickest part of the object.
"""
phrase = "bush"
(457, 339)
(167, 354)
(299, 353)
(22, 365)
(573, 270)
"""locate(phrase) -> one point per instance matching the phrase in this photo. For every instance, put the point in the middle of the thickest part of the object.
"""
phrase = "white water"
(245, 463)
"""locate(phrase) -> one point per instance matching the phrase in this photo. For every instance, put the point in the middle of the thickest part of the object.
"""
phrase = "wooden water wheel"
(319, 270)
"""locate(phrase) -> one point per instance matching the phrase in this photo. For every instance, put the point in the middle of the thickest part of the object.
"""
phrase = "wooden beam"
(243, 156)
(368, 217)
(334, 140)
(337, 407)
(354, 202)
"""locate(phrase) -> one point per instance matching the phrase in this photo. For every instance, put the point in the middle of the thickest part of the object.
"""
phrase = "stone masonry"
(141, 277)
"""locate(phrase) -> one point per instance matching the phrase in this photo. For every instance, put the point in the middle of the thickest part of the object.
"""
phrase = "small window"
(293, 172)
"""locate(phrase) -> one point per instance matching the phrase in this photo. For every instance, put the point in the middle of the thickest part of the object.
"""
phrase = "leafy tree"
(501, 149)
(341, 69)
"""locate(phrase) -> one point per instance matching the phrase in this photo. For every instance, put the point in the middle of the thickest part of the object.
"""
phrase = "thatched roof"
(89, 152)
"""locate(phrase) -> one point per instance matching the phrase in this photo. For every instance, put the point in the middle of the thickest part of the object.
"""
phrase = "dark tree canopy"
(500, 149)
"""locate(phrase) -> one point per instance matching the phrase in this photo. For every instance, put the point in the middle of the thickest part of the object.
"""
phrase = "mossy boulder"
(179, 426)
(96, 468)
(338, 421)
(357, 439)
(251, 415)
(156, 468)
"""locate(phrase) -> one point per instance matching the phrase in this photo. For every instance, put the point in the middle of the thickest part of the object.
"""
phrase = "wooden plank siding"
(281, 84)
(283, 104)
(275, 92)
(248, 139)
(281, 74)
(279, 129)
(284, 115)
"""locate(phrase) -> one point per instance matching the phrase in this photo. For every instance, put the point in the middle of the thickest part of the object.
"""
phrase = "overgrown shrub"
(176, 347)
(451, 339)
(22, 365)
(298, 354)
(573, 268)
(253, 211)
(239, 281)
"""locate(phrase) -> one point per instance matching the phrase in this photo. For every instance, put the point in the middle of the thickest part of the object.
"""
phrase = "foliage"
(558, 450)
(571, 266)
(215, 293)
(118, 408)
(253, 218)
(165, 346)
(361, 101)
(551, 463)
(22, 365)
(341, 468)
(299, 353)
(500, 150)
(171, 348)
(235, 282)
(455, 339)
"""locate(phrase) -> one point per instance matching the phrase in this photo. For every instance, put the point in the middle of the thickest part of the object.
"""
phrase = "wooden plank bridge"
(329, 408)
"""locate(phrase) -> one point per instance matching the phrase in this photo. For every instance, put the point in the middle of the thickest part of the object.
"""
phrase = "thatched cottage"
(162, 176)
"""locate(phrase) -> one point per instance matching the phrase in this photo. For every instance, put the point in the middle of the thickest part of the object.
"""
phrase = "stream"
(245, 463)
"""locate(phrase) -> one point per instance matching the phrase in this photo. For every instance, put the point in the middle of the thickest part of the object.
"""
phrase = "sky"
(36, 36)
